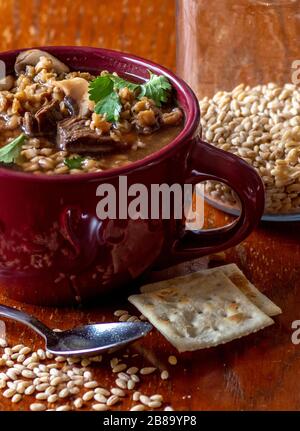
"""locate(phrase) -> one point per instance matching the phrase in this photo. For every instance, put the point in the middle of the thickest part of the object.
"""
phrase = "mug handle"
(210, 163)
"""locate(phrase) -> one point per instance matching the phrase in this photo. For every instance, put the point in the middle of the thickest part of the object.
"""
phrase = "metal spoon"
(88, 340)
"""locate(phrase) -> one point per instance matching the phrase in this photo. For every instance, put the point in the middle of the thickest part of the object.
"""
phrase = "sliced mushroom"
(7, 83)
(71, 106)
(77, 90)
(32, 57)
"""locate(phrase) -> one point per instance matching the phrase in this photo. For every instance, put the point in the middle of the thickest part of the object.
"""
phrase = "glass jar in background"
(252, 45)
(222, 43)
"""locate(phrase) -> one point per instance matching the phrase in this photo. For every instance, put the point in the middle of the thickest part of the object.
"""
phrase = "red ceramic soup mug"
(54, 249)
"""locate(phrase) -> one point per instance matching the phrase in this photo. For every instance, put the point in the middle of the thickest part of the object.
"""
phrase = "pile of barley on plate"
(262, 126)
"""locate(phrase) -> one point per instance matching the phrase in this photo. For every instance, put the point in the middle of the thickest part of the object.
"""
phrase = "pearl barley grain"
(132, 370)
(30, 390)
(17, 348)
(156, 397)
(64, 393)
(121, 383)
(119, 313)
(164, 375)
(119, 367)
(16, 398)
(28, 374)
(112, 400)
(102, 391)
(123, 376)
(261, 125)
(118, 391)
(3, 343)
(136, 396)
(88, 396)
(130, 385)
(154, 404)
(144, 399)
(100, 407)
(91, 385)
(114, 362)
(138, 408)
(37, 407)
(52, 398)
(41, 396)
(9, 393)
(100, 398)
(147, 370)
(135, 378)
(78, 403)
(25, 350)
(172, 360)
(63, 408)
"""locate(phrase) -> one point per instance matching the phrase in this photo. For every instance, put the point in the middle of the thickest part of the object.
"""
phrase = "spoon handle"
(27, 319)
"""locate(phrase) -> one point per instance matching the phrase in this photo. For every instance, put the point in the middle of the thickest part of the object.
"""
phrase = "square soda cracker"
(206, 311)
(235, 275)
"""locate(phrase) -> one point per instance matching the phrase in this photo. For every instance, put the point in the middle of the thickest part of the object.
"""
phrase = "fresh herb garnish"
(101, 87)
(122, 83)
(10, 152)
(156, 88)
(102, 90)
(74, 162)
(110, 106)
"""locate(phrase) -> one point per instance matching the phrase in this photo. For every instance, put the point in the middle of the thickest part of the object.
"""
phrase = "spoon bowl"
(88, 340)
(95, 339)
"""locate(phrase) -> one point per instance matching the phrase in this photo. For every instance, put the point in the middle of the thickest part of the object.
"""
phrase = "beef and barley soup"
(57, 121)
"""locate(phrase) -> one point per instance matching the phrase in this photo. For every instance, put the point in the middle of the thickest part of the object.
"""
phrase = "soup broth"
(57, 121)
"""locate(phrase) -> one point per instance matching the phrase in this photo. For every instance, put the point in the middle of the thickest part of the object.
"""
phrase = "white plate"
(266, 217)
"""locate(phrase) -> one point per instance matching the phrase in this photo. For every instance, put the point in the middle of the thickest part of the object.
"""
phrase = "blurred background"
(142, 27)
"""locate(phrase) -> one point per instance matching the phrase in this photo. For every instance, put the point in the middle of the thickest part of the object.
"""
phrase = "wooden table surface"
(261, 371)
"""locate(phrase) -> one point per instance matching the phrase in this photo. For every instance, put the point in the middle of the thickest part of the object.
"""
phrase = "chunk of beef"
(74, 135)
(44, 121)
(30, 125)
(48, 116)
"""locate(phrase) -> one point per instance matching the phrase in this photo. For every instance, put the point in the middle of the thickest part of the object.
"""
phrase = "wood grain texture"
(230, 41)
(261, 371)
(258, 372)
(142, 27)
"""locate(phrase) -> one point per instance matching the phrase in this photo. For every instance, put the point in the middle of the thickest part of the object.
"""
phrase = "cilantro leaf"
(10, 152)
(156, 88)
(110, 106)
(108, 103)
(102, 90)
(100, 87)
(74, 162)
(120, 83)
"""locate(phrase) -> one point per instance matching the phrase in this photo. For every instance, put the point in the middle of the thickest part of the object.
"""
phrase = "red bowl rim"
(192, 118)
